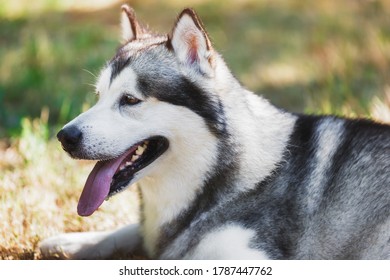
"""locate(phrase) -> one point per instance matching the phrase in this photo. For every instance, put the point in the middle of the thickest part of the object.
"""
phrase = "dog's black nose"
(69, 137)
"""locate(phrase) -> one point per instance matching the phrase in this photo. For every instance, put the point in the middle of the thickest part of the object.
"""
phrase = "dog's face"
(149, 107)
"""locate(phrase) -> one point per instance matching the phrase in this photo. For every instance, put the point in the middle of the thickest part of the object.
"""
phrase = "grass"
(40, 187)
(325, 56)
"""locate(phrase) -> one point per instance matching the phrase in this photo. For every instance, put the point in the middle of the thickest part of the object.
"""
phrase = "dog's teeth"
(128, 163)
(134, 158)
(140, 150)
(122, 167)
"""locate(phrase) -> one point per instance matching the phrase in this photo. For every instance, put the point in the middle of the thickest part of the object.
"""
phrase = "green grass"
(324, 56)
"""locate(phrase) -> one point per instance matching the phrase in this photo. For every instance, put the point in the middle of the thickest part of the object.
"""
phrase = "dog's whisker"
(89, 72)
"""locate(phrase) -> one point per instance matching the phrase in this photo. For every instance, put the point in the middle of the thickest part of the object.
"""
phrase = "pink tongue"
(98, 184)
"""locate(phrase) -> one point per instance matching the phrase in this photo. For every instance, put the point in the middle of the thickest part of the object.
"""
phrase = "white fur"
(92, 245)
(228, 242)
(328, 133)
(170, 188)
(127, 31)
(109, 132)
(265, 131)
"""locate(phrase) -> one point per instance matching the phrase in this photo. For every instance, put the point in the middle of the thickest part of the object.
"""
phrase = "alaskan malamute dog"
(222, 174)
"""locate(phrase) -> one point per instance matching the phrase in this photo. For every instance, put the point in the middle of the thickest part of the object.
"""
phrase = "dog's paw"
(73, 246)
(94, 245)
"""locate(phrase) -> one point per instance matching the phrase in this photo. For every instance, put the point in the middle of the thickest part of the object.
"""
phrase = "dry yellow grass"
(40, 186)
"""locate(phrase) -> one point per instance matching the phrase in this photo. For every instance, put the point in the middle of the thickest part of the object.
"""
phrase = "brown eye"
(128, 99)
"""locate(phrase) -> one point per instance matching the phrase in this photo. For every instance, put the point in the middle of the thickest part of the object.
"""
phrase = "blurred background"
(322, 57)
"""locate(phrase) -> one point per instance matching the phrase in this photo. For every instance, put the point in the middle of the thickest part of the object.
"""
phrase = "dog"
(222, 173)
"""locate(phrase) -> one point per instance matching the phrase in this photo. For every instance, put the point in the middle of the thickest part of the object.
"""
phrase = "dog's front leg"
(94, 245)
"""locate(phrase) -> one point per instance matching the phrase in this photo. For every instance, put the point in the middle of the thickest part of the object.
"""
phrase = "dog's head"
(154, 96)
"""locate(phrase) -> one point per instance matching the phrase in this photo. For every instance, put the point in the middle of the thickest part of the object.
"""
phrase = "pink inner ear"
(192, 48)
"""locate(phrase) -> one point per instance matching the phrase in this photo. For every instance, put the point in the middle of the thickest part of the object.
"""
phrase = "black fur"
(181, 92)
(118, 63)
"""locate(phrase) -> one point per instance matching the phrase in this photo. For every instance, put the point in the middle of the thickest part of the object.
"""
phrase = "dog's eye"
(128, 99)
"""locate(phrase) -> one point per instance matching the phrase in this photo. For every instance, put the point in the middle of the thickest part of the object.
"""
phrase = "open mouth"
(110, 177)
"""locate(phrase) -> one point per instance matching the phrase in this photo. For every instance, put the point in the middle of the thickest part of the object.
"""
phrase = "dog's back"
(328, 198)
(334, 189)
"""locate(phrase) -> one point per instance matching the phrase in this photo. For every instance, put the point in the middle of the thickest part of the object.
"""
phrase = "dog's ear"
(190, 42)
(131, 29)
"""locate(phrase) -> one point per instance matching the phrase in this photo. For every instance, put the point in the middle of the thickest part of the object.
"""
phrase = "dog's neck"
(259, 133)
(170, 189)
